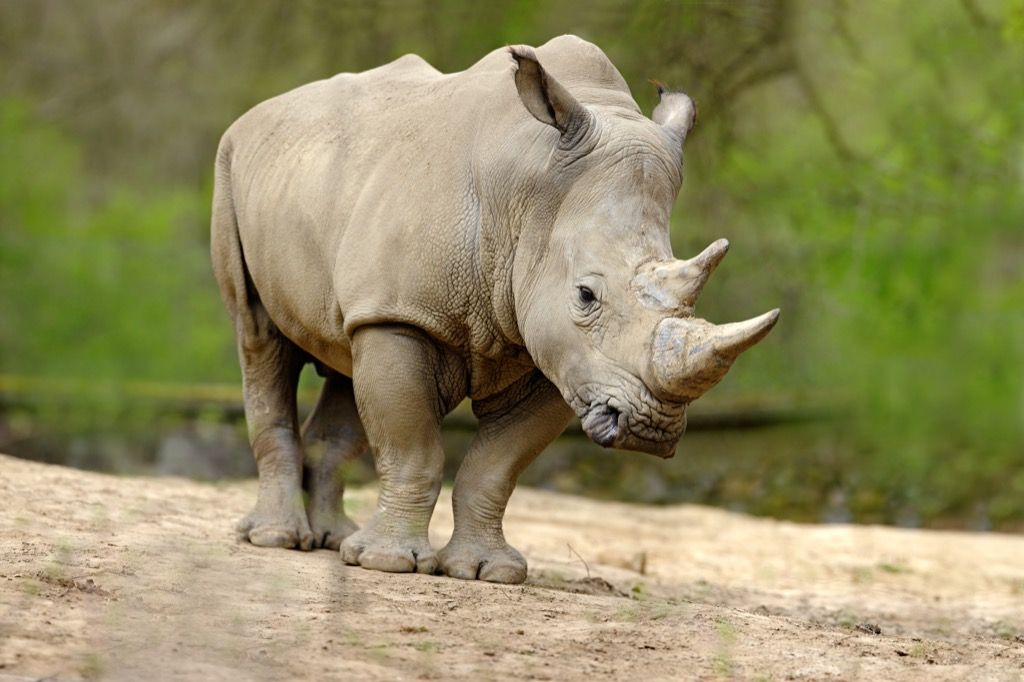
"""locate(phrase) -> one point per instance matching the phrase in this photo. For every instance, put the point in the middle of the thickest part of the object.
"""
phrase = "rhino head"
(604, 308)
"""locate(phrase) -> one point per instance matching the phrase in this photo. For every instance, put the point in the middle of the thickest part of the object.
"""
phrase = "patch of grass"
(644, 611)
(700, 591)
(353, 506)
(727, 631)
(593, 585)
(91, 667)
(32, 588)
(862, 575)
(550, 579)
(846, 619)
(918, 650)
(723, 663)
(628, 614)
(55, 570)
(889, 567)
(54, 573)
(427, 647)
(380, 652)
(942, 628)
(659, 610)
(413, 629)
(1004, 630)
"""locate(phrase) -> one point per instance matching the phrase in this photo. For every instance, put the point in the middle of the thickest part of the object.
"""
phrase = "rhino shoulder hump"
(408, 66)
(581, 64)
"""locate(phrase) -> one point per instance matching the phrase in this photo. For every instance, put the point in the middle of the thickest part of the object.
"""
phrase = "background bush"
(865, 159)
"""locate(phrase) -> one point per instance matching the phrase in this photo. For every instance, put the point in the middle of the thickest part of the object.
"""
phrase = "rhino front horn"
(690, 355)
(732, 339)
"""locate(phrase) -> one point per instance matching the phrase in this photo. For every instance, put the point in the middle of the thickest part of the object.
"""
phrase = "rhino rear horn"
(693, 274)
(675, 285)
(545, 98)
(676, 112)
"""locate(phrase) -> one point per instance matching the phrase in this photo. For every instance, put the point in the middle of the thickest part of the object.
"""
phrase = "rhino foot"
(382, 552)
(280, 528)
(330, 528)
(469, 560)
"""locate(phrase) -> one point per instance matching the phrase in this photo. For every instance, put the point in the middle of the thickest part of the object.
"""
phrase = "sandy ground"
(140, 578)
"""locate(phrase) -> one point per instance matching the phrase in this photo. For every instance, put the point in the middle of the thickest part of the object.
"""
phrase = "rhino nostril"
(611, 430)
(602, 425)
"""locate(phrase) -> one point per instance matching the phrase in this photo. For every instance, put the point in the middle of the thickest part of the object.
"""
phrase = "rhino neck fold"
(521, 180)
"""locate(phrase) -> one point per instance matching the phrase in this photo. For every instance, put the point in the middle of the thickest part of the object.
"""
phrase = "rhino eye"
(586, 296)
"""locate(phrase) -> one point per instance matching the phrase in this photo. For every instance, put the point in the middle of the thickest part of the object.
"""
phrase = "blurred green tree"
(866, 159)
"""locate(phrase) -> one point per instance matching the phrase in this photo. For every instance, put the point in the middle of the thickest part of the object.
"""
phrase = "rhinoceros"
(501, 234)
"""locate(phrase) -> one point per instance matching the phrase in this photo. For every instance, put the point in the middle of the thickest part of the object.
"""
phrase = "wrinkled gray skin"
(499, 233)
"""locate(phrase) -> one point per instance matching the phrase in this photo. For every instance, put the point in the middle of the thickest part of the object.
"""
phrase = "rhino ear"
(676, 112)
(544, 97)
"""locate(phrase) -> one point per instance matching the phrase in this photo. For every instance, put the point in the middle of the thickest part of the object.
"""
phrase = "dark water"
(790, 471)
(797, 471)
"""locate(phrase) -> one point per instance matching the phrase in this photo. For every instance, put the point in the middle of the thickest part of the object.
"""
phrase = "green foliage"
(905, 253)
(112, 290)
(865, 159)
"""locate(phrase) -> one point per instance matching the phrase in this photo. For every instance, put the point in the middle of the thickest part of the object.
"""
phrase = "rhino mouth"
(610, 427)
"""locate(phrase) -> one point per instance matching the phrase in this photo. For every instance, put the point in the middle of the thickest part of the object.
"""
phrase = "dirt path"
(139, 578)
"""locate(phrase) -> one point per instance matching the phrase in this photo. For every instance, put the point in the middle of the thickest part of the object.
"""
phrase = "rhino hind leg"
(332, 436)
(270, 371)
(404, 383)
(514, 427)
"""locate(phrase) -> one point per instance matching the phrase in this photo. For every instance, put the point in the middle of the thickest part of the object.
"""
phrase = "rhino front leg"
(514, 427)
(404, 383)
(332, 436)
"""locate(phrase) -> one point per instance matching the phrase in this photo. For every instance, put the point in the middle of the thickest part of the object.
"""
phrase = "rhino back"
(328, 183)
(358, 197)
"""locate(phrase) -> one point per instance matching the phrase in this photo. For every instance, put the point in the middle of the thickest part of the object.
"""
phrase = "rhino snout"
(611, 428)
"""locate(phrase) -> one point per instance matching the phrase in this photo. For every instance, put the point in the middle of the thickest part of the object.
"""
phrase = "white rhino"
(501, 233)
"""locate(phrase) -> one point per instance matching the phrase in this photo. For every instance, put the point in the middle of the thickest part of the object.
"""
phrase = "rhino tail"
(226, 253)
